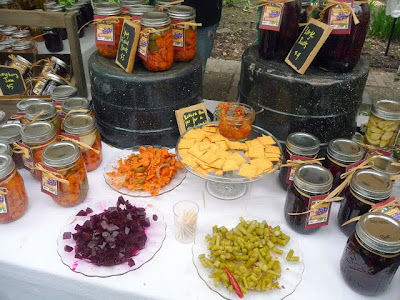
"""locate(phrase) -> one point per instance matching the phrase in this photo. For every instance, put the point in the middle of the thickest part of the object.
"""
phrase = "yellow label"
(49, 185)
(105, 32)
(39, 86)
(321, 215)
(178, 34)
(143, 45)
(340, 18)
(3, 204)
(272, 15)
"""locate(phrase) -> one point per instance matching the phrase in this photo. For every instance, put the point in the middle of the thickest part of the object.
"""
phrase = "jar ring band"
(374, 252)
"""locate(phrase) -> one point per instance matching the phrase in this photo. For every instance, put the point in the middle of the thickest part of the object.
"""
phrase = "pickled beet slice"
(81, 213)
(155, 217)
(67, 235)
(89, 210)
(68, 248)
(131, 262)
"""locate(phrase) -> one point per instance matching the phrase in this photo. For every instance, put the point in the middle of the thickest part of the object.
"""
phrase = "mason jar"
(126, 5)
(22, 46)
(20, 63)
(138, 10)
(76, 105)
(10, 134)
(46, 85)
(63, 92)
(43, 112)
(23, 34)
(53, 39)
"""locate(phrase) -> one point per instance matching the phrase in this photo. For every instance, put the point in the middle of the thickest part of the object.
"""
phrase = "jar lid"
(302, 143)
(59, 62)
(181, 12)
(5, 149)
(61, 154)
(22, 59)
(62, 92)
(386, 109)
(106, 9)
(79, 124)
(55, 78)
(72, 8)
(23, 104)
(49, 111)
(2, 117)
(75, 103)
(139, 10)
(371, 184)
(383, 164)
(313, 178)
(10, 133)
(21, 33)
(22, 45)
(7, 165)
(56, 7)
(7, 43)
(155, 19)
(8, 30)
(379, 232)
(345, 150)
(38, 132)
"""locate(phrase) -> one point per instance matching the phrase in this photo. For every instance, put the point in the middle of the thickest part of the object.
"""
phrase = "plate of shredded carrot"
(147, 172)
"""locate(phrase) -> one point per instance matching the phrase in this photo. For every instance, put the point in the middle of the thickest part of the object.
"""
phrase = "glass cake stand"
(229, 185)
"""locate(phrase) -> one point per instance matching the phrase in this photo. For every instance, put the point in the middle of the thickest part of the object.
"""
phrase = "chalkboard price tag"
(128, 45)
(307, 45)
(191, 116)
(11, 81)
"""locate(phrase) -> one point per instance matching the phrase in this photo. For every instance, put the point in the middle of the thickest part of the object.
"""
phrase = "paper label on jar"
(47, 69)
(105, 33)
(349, 167)
(271, 17)
(27, 157)
(394, 212)
(178, 34)
(292, 171)
(3, 204)
(143, 45)
(49, 185)
(39, 86)
(319, 217)
(340, 18)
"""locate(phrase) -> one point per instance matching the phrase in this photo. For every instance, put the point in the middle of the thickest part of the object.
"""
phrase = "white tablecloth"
(30, 267)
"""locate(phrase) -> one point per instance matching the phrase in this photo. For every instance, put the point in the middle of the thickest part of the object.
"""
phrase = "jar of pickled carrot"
(13, 197)
(82, 127)
(184, 35)
(35, 137)
(156, 45)
(43, 112)
(64, 175)
(108, 32)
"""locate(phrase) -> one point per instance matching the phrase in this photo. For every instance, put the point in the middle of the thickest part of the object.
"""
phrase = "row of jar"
(340, 52)
(16, 40)
(165, 37)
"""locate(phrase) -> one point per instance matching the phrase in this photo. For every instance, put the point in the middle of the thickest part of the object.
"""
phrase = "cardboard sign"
(128, 45)
(191, 116)
(307, 45)
(11, 81)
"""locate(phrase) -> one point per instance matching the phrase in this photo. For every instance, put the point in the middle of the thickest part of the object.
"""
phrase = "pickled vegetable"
(111, 50)
(91, 158)
(381, 133)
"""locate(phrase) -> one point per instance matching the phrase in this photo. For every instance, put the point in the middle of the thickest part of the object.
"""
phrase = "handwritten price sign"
(128, 45)
(11, 81)
(191, 116)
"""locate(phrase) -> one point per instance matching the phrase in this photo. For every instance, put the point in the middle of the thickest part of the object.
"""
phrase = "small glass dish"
(235, 120)
(185, 221)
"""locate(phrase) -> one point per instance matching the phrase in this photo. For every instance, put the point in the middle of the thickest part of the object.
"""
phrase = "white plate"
(155, 237)
(111, 165)
(290, 279)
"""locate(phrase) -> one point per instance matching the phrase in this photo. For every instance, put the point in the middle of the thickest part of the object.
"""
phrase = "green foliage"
(381, 24)
(230, 3)
(67, 2)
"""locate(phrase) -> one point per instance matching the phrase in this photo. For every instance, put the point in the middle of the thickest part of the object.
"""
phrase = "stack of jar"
(163, 39)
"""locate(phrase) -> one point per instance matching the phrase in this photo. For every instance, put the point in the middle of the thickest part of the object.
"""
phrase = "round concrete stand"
(138, 108)
(321, 103)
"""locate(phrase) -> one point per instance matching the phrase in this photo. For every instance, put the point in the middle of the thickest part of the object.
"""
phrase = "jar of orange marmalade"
(82, 127)
(13, 197)
(107, 33)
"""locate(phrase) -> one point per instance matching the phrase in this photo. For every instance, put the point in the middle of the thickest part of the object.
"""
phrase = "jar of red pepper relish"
(341, 52)
(342, 153)
(107, 34)
(299, 145)
(309, 181)
(367, 187)
(372, 254)
(278, 29)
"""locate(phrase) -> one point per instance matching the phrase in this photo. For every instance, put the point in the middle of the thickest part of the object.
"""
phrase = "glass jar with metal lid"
(138, 10)
(157, 51)
(80, 18)
(383, 164)
(383, 123)
(50, 82)
(53, 66)
(53, 39)
(64, 175)
(23, 34)
(299, 146)
(7, 44)
(43, 112)
(367, 187)
(62, 93)
(83, 127)
(23, 104)
(341, 154)
(13, 197)
(127, 4)
(372, 254)
(107, 34)
(184, 35)
(310, 181)
(7, 31)
(10, 134)
(20, 63)
(22, 46)
(35, 137)
(76, 105)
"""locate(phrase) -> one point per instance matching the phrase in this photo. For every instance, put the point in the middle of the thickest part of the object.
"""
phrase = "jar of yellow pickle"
(383, 123)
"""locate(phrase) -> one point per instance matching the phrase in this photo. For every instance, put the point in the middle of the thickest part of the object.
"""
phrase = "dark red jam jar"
(10, 134)
(342, 153)
(367, 187)
(383, 164)
(300, 145)
(372, 254)
(341, 52)
(277, 40)
(309, 180)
